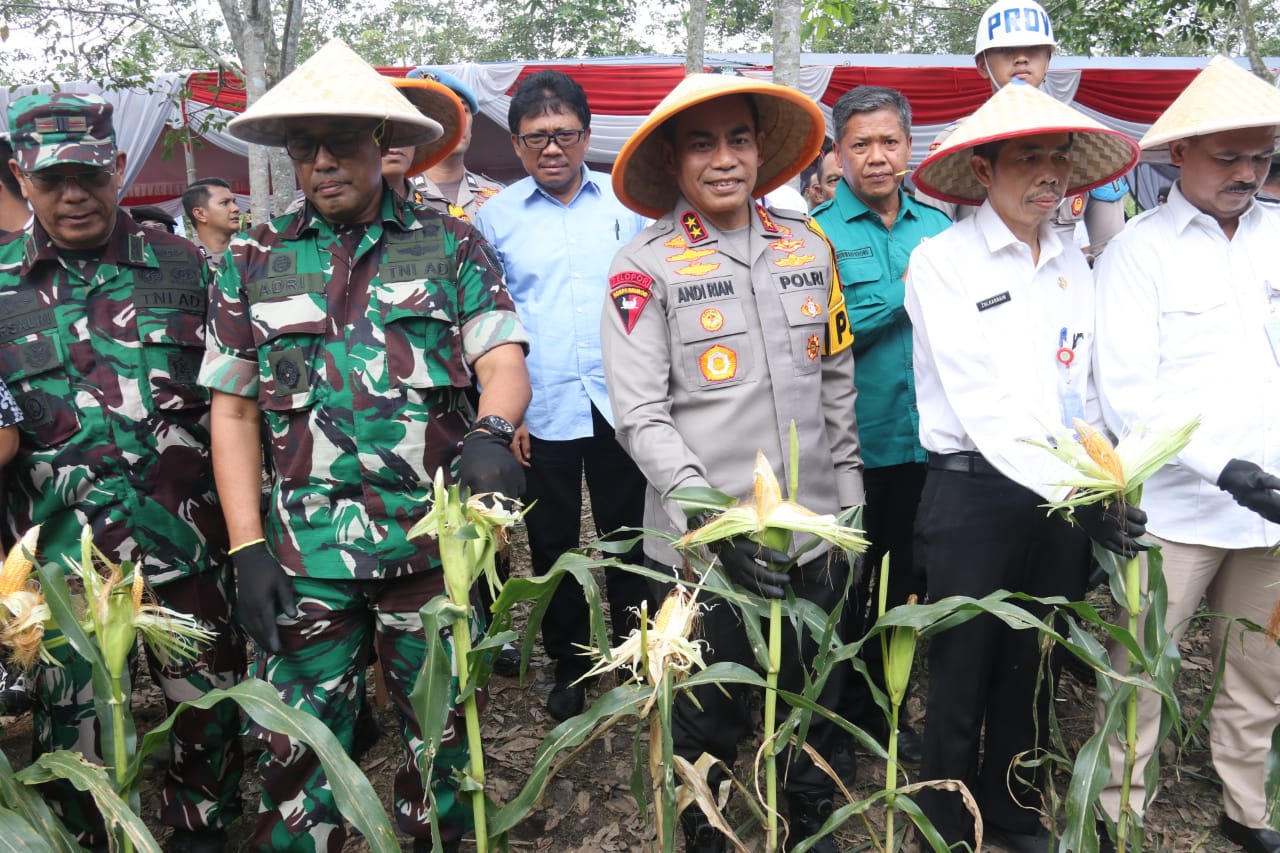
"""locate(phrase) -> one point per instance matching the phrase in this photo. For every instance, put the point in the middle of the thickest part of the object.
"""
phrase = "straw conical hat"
(437, 101)
(333, 82)
(1098, 154)
(1223, 96)
(792, 124)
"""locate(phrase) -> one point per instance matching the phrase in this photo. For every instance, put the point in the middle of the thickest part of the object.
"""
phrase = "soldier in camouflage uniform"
(348, 332)
(101, 337)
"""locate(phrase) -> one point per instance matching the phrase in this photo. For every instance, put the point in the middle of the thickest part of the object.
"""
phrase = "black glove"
(1114, 526)
(263, 591)
(488, 465)
(1252, 488)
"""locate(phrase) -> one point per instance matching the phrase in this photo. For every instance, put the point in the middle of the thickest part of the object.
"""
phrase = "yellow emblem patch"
(711, 320)
(810, 307)
(697, 269)
(718, 364)
(794, 260)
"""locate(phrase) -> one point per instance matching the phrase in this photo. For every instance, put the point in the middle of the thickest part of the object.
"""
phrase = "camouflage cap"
(48, 130)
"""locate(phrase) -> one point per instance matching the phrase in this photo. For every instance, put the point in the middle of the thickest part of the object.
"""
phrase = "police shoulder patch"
(630, 291)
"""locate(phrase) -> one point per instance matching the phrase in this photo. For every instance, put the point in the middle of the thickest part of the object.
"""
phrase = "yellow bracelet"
(239, 548)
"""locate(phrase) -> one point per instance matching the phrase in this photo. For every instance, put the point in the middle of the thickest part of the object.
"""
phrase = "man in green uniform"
(874, 226)
(345, 334)
(101, 335)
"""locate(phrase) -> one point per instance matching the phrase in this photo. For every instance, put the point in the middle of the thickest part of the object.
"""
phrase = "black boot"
(699, 835)
(808, 812)
(197, 841)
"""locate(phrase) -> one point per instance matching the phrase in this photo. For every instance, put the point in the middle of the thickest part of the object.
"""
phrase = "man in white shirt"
(1002, 313)
(1189, 324)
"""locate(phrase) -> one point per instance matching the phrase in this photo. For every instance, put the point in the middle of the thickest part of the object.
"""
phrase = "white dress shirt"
(1182, 314)
(990, 327)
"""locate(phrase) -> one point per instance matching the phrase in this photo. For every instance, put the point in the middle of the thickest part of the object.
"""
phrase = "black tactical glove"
(263, 591)
(1252, 488)
(739, 557)
(1114, 526)
(488, 465)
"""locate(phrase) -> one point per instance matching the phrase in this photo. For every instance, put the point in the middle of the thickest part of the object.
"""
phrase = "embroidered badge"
(810, 307)
(690, 255)
(676, 242)
(1077, 205)
(694, 231)
(813, 348)
(696, 268)
(711, 320)
(486, 193)
(1062, 282)
(787, 245)
(794, 260)
(630, 292)
(718, 364)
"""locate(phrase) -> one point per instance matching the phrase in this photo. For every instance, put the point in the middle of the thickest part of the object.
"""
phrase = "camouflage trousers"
(201, 787)
(321, 671)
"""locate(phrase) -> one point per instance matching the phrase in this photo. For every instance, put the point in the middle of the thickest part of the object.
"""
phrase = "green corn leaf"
(92, 779)
(19, 836)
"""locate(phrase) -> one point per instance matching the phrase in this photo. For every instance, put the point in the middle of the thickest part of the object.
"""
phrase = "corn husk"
(23, 612)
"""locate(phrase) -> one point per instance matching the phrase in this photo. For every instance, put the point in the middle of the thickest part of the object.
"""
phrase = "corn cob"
(18, 565)
(1100, 450)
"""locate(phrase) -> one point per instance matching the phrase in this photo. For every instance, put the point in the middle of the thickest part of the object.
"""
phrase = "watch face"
(498, 426)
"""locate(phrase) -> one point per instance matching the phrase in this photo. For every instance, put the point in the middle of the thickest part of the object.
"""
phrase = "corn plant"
(102, 626)
(1115, 475)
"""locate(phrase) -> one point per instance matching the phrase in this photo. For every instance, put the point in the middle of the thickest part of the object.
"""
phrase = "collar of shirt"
(122, 247)
(1184, 213)
(999, 237)
(530, 189)
(851, 207)
(394, 211)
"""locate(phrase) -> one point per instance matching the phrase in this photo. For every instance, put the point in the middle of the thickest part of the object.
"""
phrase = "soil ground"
(589, 807)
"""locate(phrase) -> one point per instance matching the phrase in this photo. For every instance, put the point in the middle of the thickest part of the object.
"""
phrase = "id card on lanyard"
(1070, 401)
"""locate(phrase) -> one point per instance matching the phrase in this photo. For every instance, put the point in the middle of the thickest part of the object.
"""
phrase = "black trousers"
(554, 487)
(977, 533)
(893, 494)
(724, 718)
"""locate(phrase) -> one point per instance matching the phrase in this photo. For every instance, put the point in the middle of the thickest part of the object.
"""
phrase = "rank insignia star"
(694, 230)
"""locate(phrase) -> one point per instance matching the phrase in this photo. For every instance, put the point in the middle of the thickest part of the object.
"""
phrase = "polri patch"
(993, 301)
(630, 291)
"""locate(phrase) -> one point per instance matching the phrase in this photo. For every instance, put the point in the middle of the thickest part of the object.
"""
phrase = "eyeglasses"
(344, 143)
(563, 138)
(54, 182)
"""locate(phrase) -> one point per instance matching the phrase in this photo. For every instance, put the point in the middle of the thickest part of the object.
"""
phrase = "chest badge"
(697, 268)
(718, 363)
(810, 307)
(1062, 282)
(813, 347)
(1077, 205)
(688, 254)
(712, 320)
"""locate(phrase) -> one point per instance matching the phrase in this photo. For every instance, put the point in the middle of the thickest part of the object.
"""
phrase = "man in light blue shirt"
(556, 233)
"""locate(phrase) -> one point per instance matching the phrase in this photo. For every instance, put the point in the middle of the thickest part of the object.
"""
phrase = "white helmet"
(1013, 23)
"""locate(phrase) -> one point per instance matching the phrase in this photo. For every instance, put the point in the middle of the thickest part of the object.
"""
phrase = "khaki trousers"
(1240, 583)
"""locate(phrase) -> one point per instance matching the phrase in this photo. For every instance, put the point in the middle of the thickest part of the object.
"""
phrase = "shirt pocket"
(172, 348)
(1194, 322)
(421, 334)
(715, 348)
(806, 314)
(34, 368)
(291, 332)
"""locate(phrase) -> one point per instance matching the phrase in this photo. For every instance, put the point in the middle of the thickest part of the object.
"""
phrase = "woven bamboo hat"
(1223, 96)
(437, 101)
(334, 82)
(792, 124)
(1098, 154)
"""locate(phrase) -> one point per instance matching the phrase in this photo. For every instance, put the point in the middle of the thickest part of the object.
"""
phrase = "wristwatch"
(499, 426)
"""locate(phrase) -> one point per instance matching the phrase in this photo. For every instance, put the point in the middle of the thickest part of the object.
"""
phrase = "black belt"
(968, 462)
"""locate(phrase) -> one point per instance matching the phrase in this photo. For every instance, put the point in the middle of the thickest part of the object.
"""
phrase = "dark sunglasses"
(343, 143)
(53, 182)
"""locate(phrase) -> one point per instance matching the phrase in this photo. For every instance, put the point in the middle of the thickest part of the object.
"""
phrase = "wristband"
(249, 544)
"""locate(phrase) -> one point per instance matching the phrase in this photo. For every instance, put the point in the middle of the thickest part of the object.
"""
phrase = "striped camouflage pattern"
(61, 127)
(115, 432)
(357, 345)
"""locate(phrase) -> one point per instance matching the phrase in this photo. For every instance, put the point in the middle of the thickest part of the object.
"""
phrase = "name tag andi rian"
(993, 301)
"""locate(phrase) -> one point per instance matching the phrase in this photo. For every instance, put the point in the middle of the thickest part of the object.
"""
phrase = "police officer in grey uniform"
(724, 324)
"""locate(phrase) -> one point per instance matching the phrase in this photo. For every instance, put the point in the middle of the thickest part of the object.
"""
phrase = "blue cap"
(459, 88)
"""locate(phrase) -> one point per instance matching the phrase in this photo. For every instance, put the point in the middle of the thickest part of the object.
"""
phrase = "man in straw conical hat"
(1015, 41)
(345, 334)
(724, 325)
(1002, 312)
(1189, 324)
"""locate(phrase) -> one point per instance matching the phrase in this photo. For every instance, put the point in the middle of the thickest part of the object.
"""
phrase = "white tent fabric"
(147, 112)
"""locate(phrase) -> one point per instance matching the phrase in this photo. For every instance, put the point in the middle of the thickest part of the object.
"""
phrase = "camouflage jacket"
(357, 344)
(116, 430)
